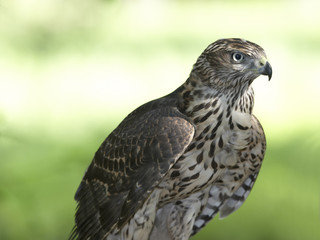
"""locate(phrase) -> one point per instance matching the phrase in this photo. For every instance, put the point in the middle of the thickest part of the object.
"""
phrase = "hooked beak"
(266, 69)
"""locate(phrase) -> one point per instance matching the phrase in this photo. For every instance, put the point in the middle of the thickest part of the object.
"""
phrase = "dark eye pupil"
(238, 56)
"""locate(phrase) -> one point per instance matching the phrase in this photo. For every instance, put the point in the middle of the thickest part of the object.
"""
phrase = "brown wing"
(127, 167)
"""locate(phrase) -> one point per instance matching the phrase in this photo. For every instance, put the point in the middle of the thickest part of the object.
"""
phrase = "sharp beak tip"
(269, 76)
(267, 70)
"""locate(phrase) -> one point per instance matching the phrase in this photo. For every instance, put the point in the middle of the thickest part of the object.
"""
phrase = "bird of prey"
(175, 162)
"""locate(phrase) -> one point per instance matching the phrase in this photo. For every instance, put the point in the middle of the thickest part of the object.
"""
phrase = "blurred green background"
(71, 70)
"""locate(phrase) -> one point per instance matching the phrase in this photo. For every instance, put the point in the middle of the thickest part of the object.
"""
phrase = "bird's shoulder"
(151, 117)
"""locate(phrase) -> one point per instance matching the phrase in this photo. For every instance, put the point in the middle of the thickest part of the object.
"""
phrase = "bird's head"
(230, 64)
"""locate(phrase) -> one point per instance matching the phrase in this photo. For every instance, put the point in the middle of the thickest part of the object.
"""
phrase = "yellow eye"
(237, 57)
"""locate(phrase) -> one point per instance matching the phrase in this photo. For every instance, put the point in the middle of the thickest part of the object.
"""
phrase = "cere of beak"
(266, 70)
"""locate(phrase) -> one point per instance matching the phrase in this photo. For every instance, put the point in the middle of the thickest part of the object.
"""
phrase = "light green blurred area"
(71, 70)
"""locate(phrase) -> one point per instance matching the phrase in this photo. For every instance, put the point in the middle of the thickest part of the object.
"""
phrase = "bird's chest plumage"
(216, 154)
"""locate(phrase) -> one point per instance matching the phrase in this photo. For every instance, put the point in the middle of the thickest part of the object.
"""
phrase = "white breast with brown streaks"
(215, 154)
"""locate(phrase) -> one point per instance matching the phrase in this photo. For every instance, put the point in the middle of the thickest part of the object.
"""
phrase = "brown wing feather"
(127, 167)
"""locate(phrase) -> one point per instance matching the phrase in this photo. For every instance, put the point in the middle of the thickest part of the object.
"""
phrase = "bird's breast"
(214, 155)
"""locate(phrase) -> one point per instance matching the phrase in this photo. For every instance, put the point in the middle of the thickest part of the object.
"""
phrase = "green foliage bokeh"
(71, 70)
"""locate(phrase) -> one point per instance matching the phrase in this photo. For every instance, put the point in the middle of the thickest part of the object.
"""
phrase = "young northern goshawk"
(172, 164)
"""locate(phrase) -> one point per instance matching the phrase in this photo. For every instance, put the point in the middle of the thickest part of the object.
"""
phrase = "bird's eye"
(237, 57)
